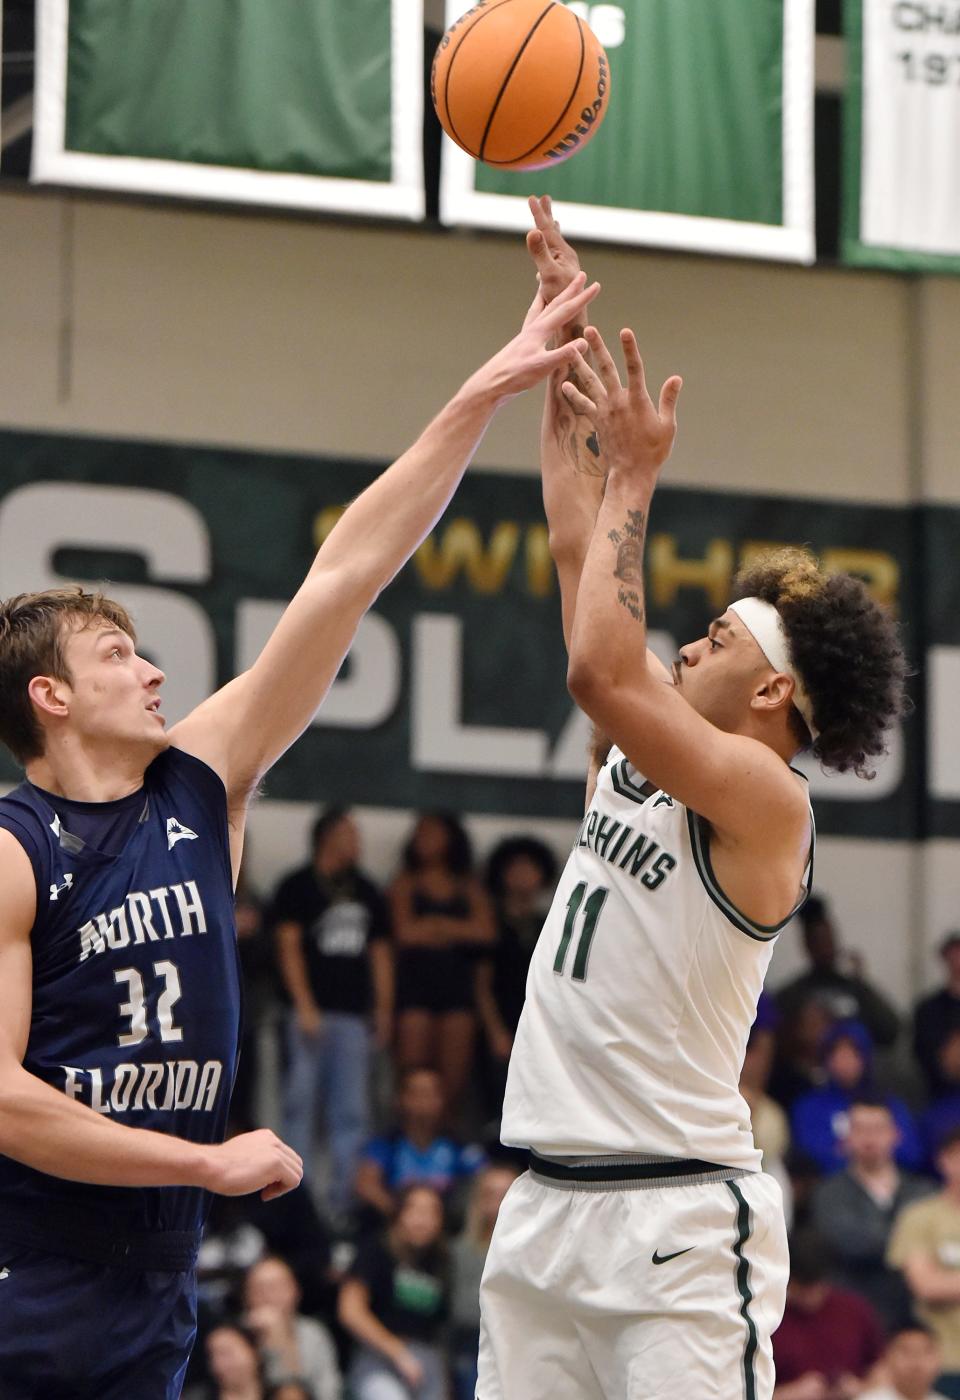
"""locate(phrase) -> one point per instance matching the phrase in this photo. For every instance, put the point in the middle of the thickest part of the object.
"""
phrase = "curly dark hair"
(512, 848)
(846, 648)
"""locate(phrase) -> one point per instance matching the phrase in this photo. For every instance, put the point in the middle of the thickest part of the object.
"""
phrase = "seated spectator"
(233, 1363)
(937, 1016)
(332, 931)
(521, 875)
(394, 1303)
(416, 1150)
(911, 1364)
(855, 1209)
(468, 1255)
(829, 1339)
(846, 996)
(441, 918)
(819, 1119)
(797, 1065)
(293, 1348)
(943, 1114)
(925, 1244)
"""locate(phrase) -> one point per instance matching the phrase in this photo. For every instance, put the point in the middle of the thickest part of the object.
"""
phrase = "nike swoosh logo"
(659, 1258)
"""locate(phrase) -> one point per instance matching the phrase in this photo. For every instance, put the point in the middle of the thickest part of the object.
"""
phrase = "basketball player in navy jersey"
(643, 1255)
(119, 989)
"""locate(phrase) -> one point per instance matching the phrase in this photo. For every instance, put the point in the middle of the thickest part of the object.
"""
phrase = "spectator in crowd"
(441, 919)
(258, 970)
(521, 875)
(829, 1339)
(332, 931)
(846, 996)
(416, 1151)
(925, 1244)
(468, 1254)
(798, 1065)
(943, 1113)
(855, 1209)
(938, 1016)
(394, 1303)
(293, 1348)
(910, 1364)
(233, 1363)
(819, 1119)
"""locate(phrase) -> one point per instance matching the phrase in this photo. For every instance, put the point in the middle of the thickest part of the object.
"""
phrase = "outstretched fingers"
(669, 395)
(572, 299)
(565, 357)
(606, 368)
(588, 380)
(578, 401)
(636, 379)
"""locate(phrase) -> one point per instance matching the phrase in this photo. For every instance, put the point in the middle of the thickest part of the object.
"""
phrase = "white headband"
(765, 625)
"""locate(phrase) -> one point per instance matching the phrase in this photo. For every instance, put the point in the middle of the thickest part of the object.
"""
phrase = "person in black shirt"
(845, 996)
(521, 874)
(332, 930)
(936, 1017)
(394, 1302)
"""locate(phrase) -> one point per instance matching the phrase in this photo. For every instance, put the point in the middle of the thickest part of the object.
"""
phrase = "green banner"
(707, 139)
(901, 192)
(454, 694)
(301, 102)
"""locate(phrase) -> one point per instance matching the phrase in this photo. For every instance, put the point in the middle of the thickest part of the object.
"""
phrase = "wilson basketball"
(520, 84)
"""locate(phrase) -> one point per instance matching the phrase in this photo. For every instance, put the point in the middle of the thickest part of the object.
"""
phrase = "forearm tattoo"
(629, 540)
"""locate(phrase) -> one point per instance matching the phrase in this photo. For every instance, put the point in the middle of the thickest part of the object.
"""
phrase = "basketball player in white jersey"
(643, 1255)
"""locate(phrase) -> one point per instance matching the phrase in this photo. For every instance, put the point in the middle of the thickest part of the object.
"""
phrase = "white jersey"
(642, 990)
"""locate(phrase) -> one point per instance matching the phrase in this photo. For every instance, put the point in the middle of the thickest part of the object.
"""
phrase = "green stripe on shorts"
(746, 1296)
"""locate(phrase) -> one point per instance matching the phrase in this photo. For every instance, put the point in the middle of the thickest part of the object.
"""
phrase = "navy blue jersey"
(136, 992)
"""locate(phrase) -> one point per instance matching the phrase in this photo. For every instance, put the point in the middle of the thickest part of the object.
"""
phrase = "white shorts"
(653, 1292)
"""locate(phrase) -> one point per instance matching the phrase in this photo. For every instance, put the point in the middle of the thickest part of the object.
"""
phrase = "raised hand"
(556, 261)
(526, 360)
(637, 435)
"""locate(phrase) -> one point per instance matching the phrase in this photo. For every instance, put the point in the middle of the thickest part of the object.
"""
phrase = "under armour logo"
(57, 890)
(664, 800)
(176, 831)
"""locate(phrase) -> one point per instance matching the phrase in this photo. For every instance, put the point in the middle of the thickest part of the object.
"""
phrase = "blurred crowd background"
(379, 1023)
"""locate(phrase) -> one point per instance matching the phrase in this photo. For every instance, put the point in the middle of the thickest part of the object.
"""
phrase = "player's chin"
(158, 737)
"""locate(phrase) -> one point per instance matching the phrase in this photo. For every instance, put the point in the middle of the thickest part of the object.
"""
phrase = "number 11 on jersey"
(591, 913)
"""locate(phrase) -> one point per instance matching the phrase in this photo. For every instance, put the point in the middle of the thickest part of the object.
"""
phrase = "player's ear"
(50, 695)
(774, 692)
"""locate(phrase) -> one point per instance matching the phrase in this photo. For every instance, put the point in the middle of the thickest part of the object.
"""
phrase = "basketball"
(520, 84)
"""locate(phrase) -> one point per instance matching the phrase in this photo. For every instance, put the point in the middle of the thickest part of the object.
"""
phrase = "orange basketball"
(520, 84)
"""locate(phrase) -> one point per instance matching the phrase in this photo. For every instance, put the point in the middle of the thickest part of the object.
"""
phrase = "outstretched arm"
(573, 466)
(571, 460)
(740, 786)
(245, 727)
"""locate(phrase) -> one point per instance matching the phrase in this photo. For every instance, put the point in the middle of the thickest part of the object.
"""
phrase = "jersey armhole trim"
(762, 933)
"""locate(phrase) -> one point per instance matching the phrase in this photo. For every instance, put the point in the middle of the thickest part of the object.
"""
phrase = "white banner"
(910, 190)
